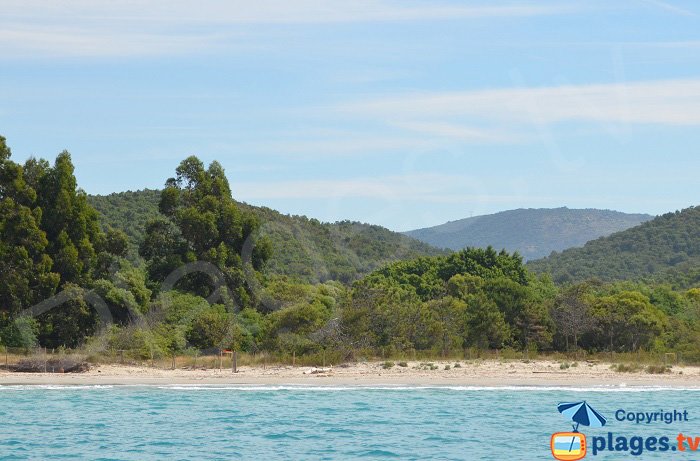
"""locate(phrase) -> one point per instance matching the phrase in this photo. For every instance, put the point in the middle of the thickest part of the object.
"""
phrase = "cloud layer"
(81, 28)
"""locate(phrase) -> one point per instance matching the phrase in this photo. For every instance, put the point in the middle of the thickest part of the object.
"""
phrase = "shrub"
(658, 369)
(403, 364)
(387, 365)
(624, 368)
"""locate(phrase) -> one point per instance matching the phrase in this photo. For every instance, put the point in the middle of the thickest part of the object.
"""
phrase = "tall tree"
(572, 314)
(203, 224)
(25, 268)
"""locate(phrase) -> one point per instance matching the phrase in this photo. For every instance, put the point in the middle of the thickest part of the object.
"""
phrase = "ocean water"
(321, 423)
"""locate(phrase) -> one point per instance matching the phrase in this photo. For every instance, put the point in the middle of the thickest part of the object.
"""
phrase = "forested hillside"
(198, 284)
(303, 248)
(534, 233)
(666, 249)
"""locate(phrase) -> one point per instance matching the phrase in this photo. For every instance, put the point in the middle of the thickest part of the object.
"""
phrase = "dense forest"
(204, 272)
(663, 250)
(534, 233)
(304, 249)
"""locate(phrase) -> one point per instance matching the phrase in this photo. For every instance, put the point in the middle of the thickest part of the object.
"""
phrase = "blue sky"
(401, 113)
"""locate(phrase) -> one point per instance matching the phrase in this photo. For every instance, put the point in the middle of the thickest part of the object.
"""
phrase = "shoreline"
(484, 374)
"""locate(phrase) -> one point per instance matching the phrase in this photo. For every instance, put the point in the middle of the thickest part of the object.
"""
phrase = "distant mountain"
(534, 233)
(304, 248)
(665, 249)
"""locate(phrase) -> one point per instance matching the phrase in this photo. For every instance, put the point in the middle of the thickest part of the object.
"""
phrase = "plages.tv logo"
(571, 446)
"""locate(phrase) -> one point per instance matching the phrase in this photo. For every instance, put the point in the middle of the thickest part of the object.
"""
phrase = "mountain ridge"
(665, 249)
(532, 232)
(304, 248)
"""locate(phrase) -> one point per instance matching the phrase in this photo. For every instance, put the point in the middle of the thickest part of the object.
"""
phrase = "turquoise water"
(303, 423)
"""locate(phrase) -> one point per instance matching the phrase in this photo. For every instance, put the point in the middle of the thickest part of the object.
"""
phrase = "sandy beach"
(476, 373)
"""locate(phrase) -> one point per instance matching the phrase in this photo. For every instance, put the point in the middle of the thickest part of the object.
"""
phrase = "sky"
(402, 113)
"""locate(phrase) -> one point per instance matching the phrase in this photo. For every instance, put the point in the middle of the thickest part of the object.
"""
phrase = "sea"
(324, 423)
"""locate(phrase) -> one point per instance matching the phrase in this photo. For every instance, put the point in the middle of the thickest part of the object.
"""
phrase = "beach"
(487, 373)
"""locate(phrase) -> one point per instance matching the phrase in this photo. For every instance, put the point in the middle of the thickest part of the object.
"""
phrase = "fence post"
(294, 358)
(234, 361)
(45, 359)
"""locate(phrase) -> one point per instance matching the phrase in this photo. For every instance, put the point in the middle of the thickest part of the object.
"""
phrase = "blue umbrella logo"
(581, 413)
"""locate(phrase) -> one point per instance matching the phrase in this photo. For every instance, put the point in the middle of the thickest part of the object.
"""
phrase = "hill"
(665, 249)
(304, 248)
(534, 233)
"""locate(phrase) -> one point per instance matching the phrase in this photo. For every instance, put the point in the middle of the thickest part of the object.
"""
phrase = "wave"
(306, 388)
(22, 387)
(358, 387)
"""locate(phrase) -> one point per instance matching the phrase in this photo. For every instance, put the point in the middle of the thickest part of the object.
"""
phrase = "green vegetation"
(129, 212)
(666, 249)
(50, 242)
(304, 249)
(533, 233)
(262, 292)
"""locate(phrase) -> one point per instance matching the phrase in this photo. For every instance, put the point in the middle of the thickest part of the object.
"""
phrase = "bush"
(403, 364)
(658, 369)
(21, 333)
(387, 365)
(624, 368)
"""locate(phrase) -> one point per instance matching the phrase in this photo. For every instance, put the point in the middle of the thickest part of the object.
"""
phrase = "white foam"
(22, 387)
(301, 387)
(360, 387)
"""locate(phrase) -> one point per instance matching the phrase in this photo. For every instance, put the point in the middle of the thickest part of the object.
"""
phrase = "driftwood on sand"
(52, 365)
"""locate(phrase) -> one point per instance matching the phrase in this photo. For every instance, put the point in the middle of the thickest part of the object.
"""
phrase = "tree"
(445, 322)
(526, 316)
(485, 326)
(203, 223)
(572, 314)
(26, 275)
(628, 319)
(71, 225)
(211, 327)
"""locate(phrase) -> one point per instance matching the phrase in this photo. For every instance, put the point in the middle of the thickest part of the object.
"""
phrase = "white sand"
(475, 373)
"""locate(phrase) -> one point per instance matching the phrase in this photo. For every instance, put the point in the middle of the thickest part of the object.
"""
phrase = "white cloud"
(670, 7)
(128, 27)
(406, 187)
(452, 130)
(269, 11)
(413, 187)
(668, 102)
(83, 42)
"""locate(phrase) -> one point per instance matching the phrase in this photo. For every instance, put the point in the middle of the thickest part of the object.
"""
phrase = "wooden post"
(195, 360)
(221, 359)
(173, 361)
(234, 361)
(121, 356)
(294, 358)
(7, 360)
(324, 357)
